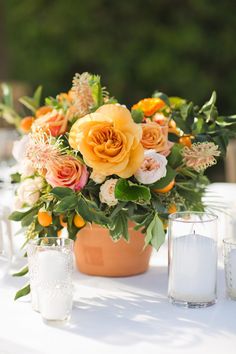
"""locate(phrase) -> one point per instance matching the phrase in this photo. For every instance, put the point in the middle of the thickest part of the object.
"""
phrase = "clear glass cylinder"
(230, 267)
(192, 255)
(50, 262)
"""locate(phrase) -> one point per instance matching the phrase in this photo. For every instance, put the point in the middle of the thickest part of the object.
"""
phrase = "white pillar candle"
(55, 287)
(232, 272)
(55, 304)
(193, 269)
(52, 266)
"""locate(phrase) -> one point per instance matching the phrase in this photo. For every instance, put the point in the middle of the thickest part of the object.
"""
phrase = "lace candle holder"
(50, 269)
(192, 259)
(230, 267)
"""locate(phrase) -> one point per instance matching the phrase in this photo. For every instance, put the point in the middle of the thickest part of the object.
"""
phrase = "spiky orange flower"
(200, 155)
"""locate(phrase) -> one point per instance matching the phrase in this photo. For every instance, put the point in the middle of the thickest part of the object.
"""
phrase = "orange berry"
(172, 209)
(166, 188)
(43, 110)
(44, 218)
(62, 222)
(185, 140)
(78, 221)
(26, 123)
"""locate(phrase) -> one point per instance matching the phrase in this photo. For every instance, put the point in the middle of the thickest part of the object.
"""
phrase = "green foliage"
(32, 103)
(119, 226)
(162, 96)
(127, 191)
(175, 158)
(62, 192)
(23, 271)
(15, 177)
(137, 115)
(155, 234)
(22, 292)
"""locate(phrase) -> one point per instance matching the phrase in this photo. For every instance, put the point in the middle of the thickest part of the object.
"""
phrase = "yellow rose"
(109, 141)
(154, 136)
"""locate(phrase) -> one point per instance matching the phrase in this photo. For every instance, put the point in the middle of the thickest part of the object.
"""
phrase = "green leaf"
(163, 182)
(22, 292)
(7, 95)
(119, 226)
(128, 191)
(207, 106)
(155, 234)
(176, 102)
(137, 115)
(37, 96)
(62, 192)
(162, 96)
(67, 203)
(90, 212)
(175, 158)
(95, 84)
(27, 219)
(15, 177)
(29, 103)
(21, 272)
(19, 215)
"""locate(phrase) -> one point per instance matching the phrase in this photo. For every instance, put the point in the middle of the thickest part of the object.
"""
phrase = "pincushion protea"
(200, 155)
(81, 94)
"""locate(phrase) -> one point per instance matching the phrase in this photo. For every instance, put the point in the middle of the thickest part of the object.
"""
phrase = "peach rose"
(154, 136)
(109, 141)
(54, 122)
(67, 171)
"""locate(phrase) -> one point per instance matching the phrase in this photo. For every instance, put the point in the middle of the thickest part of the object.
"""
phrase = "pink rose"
(67, 171)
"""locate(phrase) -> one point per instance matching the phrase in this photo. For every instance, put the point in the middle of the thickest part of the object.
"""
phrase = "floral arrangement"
(85, 158)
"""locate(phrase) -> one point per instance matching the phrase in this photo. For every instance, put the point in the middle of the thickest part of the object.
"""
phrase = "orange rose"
(54, 122)
(109, 141)
(149, 106)
(41, 111)
(154, 136)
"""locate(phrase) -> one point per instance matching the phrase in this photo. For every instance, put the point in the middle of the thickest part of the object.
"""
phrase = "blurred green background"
(181, 47)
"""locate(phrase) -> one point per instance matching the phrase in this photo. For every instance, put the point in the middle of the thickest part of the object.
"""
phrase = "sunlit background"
(181, 47)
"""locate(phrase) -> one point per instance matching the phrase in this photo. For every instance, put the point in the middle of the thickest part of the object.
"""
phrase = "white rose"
(29, 191)
(18, 203)
(19, 148)
(97, 177)
(26, 168)
(107, 192)
(152, 168)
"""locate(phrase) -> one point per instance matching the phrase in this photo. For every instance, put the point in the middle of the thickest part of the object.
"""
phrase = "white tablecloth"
(122, 315)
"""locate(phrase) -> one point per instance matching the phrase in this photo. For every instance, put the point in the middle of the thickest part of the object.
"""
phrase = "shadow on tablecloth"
(126, 311)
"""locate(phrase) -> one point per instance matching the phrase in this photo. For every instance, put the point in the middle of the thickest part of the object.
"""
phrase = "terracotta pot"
(97, 254)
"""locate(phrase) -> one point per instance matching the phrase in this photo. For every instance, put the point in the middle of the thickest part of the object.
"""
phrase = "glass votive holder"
(230, 267)
(51, 268)
(192, 259)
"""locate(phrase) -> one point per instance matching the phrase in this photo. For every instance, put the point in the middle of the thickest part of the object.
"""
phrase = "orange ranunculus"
(109, 141)
(41, 111)
(54, 122)
(26, 124)
(154, 136)
(64, 97)
(149, 106)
